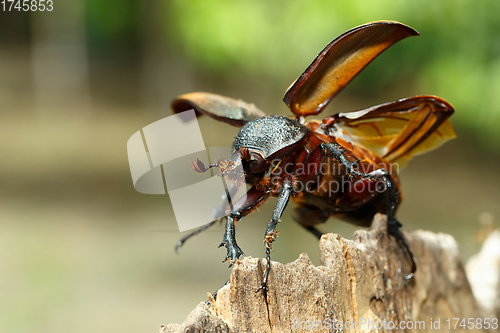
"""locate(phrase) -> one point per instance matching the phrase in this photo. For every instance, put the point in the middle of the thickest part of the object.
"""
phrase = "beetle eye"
(256, 163)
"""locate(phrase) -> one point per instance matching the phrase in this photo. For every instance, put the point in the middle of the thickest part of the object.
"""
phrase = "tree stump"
(359, 287)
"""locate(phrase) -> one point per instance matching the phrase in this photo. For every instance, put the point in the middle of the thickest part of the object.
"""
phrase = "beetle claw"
(233, 252)
(262, 287)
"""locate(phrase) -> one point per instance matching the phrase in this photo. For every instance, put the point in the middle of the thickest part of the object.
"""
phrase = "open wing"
(398, 130)
(228, 110)
(339, 62)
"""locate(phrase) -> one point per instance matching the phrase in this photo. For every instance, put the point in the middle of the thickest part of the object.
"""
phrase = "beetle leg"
(193, 233)
(218, 212)
(271, 234)
(314, 231)
(351, 169)
(308, 216)
(393, 224)
(338, 153)
(239, 209)
(229, 240)
(392, 198)
(214, 295)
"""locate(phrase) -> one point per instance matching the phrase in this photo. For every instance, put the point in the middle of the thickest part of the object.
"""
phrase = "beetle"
(341, 166)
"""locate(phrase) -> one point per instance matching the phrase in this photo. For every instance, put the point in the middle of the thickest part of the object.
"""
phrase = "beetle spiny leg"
(229, 241)
(271, 234)
(352, 171)
(263, 285)
(392, 199)
(393, 228)
(393, 224)
(338, 153)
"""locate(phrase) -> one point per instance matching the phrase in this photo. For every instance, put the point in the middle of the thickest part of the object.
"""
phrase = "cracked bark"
(359, 281)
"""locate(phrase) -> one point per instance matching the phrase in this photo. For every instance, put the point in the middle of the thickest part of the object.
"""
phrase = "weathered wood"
(483, 271)
(360, 284)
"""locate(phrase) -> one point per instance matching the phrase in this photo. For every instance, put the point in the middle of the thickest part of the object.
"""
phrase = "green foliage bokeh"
(457, 56)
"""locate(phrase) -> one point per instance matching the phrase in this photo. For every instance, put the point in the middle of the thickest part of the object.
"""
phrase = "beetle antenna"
(200, 167)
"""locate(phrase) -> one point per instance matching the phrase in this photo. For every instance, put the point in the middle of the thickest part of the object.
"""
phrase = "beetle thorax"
(269, 135)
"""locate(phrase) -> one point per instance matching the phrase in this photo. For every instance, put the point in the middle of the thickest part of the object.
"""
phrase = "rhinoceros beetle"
(341, 166)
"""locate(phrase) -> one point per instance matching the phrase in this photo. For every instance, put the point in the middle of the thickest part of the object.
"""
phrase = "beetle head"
(256, 145)
(264, 139)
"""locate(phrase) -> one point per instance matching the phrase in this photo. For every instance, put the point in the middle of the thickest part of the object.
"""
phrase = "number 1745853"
(27, 5)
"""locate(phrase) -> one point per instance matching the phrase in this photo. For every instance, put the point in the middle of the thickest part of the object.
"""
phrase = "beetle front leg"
(271, 234)
(239, 209)
(229, 240)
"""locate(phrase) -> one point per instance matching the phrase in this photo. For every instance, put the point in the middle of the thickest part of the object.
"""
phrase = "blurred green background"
(81, 251)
